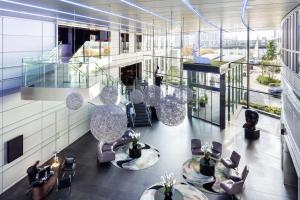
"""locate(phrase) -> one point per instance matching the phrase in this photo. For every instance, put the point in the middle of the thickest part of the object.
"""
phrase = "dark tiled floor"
(107, 182)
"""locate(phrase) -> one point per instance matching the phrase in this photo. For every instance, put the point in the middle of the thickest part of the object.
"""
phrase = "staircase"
(142, 115)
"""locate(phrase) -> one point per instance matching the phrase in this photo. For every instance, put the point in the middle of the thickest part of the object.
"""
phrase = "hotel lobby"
(149, 100)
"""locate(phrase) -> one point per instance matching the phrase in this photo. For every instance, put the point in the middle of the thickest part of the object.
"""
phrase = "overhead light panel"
(103, 11)
(243, 14)
(51, 17)
(145, 10)
(63, 12)
(187, 3)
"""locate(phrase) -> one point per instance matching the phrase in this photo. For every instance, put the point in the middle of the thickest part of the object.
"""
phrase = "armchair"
(232, 188)
(196, 147)
(233, 161)
(236, 176)
(105, 155)
(69, 166)
(124, 140)
(216, 150)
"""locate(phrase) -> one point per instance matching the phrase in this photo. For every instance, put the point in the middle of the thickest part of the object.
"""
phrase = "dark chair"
(233, 161)
(63, 183)
(69, 166)
(196, 147)
(216, 150)
(236, 176)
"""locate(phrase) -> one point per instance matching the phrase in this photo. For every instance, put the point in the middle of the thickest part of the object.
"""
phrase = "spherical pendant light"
(74, 101)
(153, 94)
(183, 94)
(108, 123)
(171, 112)
(109, 94)
(137, 96)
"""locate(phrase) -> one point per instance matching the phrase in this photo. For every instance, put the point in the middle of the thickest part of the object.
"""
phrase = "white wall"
(46, 126)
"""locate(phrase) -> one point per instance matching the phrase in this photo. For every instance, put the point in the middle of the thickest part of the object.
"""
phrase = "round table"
(182, 191)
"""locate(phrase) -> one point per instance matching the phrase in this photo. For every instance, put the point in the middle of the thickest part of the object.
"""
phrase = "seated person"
(33, 174)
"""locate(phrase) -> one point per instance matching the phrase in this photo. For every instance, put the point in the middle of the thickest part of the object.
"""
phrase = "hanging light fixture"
(183, 94)
(153, 94)
(74, 101)
(137, 96)
(171, 111)
(108, 123)
(109, 94)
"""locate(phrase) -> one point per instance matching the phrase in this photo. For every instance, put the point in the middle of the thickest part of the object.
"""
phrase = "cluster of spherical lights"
(108, 121)
(171, 109)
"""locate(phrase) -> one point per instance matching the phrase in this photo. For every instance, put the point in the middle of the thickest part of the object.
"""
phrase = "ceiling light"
(62, 12)
(50, 17)
(145, 10)
(187, 3)
(103, 11)
(245, 5)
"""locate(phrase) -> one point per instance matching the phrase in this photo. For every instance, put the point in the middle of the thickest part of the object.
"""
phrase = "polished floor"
(91, 182)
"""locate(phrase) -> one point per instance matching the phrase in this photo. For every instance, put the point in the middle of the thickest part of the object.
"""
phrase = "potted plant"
(206, 149)
(168, 182)
(135, 150)
(203, 100)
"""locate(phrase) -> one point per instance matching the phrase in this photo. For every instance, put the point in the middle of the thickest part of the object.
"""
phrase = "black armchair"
(64, 182)
(69, 166)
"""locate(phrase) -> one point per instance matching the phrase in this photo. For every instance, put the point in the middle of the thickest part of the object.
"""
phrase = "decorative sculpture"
(199, 59)
(108, 123)
(251, 120)
(74, 101)
(109, 94)
(171, 112)
(137, 96)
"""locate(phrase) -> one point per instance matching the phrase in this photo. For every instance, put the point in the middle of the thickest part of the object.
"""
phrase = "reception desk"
(42, 191)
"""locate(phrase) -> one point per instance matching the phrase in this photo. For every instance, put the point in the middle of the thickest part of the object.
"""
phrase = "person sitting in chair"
(33, 173)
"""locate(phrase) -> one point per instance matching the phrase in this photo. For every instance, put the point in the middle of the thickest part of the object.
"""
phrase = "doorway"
(129, 74)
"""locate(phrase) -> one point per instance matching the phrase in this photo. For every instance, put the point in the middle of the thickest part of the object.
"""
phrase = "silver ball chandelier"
(137, 96)
(171, 111)
(109, 94)
(153, 94)
(108, 123)
(183, 94)
(74, 101)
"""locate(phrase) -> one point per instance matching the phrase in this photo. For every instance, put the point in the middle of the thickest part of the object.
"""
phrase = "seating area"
(234, 183)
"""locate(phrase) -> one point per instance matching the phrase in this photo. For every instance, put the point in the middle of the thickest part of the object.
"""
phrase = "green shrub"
(269, 109)
(267, 80)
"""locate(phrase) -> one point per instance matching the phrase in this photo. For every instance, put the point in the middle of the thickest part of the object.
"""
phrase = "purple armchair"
(196, 147)
(236, 176)
(105, 154)
(233, 162)
(216, 150)
(124, 140)
(231, 187)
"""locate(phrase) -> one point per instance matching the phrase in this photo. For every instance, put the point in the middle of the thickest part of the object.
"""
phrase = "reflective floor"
(107, 182)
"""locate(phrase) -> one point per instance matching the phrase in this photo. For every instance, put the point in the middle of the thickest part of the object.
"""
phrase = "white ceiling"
(262, 14)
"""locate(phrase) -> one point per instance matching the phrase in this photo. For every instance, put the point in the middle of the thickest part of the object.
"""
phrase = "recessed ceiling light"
(243, 17)
(145, 10)
(51, 17)
(63, 12)
(103, 11)
(187, 3)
